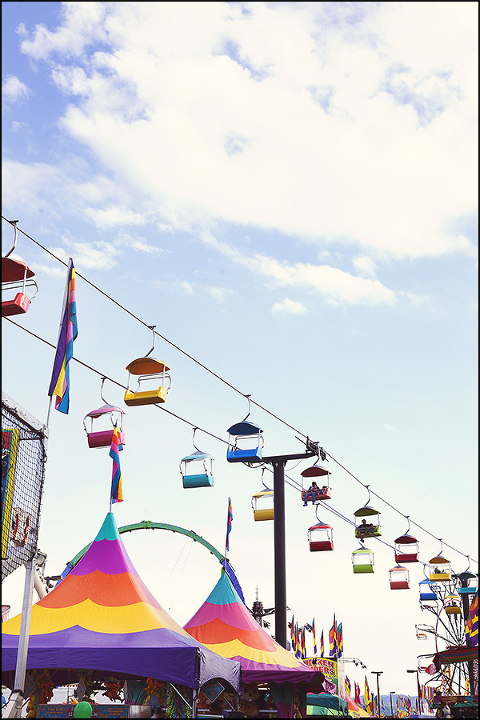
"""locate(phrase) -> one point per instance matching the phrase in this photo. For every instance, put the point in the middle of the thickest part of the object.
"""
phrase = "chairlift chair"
(245, 441)
(262, 505)
(148, 369)
(440, 568)
(465, 578)
(197, 469)
(320, 537)
(362, 528)
(427, 591)
(399, 578)
(406, 547)
(325, 492)
(453, 605)
(16, 275)
(363, 560)
(103, 438)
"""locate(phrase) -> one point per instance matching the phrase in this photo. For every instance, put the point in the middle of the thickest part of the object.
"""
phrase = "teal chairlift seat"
(197, 469)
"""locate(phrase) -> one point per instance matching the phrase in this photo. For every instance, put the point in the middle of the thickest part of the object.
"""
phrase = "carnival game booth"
(271, 676)
(103, 619)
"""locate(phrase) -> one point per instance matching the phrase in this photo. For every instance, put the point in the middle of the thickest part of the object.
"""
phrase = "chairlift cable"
(195, 425)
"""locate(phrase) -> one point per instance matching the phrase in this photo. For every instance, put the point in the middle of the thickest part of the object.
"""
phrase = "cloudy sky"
(288, 191)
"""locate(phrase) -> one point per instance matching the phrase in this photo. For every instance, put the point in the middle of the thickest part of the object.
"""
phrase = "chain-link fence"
(23, 473)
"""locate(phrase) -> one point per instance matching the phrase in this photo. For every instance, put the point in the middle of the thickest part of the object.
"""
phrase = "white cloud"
(289, 307)
(18, 126)
(365, 266)
(186, 286)
(335, 285)
(113, 216)
(96, 256)
(220, 293)
(13, 90)
(81, 26)
(140, 244)
(326, 122)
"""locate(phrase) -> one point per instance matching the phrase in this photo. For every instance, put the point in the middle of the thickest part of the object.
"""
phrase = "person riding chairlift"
(311, 493)
(365, 527)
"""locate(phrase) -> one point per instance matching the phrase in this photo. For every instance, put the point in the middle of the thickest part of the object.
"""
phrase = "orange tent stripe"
(107, 590)
(224, 633)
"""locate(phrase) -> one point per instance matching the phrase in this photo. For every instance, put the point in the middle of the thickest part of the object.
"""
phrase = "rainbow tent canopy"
(103, 618)
(225, 625)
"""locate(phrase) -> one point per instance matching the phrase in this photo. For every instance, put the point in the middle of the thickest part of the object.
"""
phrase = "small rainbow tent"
(103, 618)
(224, 625)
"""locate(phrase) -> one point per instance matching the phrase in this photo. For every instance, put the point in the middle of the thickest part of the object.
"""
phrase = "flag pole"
(48, 413)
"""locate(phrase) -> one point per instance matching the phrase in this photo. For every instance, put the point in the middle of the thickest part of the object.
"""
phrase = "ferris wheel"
(448, 596)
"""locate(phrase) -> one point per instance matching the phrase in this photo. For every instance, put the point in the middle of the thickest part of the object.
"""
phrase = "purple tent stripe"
(109, 556)
(227, 613)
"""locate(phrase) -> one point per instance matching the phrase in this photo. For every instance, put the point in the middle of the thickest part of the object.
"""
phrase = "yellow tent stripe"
(236, 648)
(139, 617)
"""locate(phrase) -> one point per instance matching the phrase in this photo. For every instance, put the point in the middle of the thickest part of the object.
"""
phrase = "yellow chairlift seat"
(453, 605)
(440, 568)
(261, 498)
(147, 369)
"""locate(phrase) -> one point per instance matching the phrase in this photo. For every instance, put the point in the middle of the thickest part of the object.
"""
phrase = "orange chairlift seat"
(148, 370)
(98, 438)
(324, 492)
(399, 578)
(406, 547)
(197, 469)
(363, 528)
(16, 275)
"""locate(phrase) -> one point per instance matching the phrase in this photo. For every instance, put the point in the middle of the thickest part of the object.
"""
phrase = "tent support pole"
(14, 706)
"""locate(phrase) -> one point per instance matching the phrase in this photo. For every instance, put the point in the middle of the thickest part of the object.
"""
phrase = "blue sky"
(288, 192)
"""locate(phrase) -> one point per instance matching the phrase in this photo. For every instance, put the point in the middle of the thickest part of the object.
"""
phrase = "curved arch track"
(149, 525)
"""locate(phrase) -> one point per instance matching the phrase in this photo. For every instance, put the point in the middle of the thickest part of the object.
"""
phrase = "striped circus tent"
(103, 618)
(225, 626)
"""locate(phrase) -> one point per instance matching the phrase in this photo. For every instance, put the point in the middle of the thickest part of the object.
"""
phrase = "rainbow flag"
(471, 626)
(339, 636)
(367, 698)
(116, 494)
(314, 638)
(332, 638)
(322, 648)
(60, 382)
(229, 525)
(292, 634)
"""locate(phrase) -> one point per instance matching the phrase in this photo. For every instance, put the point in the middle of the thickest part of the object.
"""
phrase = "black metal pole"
(279, 551)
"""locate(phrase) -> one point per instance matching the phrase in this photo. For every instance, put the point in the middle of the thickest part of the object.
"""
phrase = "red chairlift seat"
(325, 492)
(406, 549)
(399, 578)
(16, 276)
(320, 537)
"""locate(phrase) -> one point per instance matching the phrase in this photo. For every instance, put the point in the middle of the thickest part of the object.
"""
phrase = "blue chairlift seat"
(194, 478)
(245, 434)
(426, 591)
